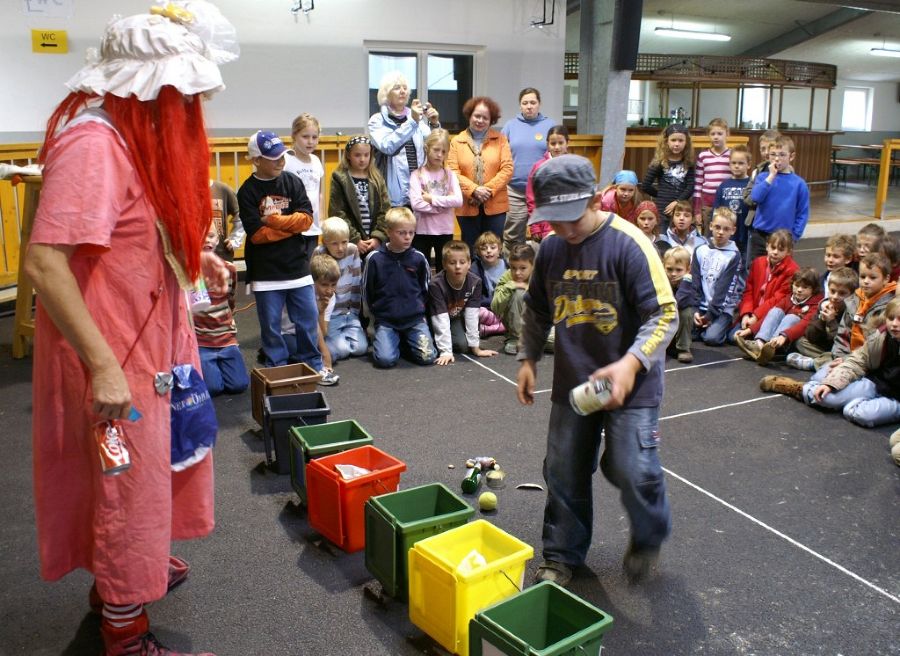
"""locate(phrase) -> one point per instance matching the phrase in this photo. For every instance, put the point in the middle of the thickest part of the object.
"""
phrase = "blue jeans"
(346, 337)
(417, 344)
(860, 401)
(630, 461)
(302, 311)
(775, 323)
(471, 227)
(717, 331)
(224, 370)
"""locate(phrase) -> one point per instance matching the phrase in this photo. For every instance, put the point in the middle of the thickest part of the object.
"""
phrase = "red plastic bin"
(336, 506)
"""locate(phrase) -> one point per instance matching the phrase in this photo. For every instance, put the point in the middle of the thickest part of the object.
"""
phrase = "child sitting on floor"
(220, 356)
(677, 262)
(346, 336)
(814, 348)
(509, 297)
(769, 279)
(648, 222)
(717, 278)
(785, 322)
(839, 252)
(864, 310)
(868, 240)
(489, 266)
(454, 298)
(865, 385)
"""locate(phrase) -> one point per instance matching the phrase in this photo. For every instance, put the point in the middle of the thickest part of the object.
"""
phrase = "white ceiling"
(753, 22)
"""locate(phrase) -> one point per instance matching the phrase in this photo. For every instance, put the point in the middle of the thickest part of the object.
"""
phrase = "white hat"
(179, 45)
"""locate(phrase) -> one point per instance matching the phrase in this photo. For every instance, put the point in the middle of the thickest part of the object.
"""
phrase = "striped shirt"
(214, 326)
(710, 171)
(347, 294)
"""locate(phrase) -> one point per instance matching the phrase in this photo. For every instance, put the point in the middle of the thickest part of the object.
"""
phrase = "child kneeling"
(454, 298)
(346, 336)
(395, 290)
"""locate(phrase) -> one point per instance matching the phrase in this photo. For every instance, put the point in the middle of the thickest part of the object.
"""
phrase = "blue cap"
(265, 144)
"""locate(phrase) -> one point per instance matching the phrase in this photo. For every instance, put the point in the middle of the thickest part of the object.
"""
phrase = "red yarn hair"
(167, 144)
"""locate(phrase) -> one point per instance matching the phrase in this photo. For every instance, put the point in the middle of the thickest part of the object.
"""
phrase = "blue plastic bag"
(194, 425)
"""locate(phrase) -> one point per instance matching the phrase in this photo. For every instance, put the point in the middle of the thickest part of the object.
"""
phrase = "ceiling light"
(885, 52)
(692, 34)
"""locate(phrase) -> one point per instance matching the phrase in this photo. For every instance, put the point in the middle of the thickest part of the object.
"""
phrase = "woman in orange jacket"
(481, 158)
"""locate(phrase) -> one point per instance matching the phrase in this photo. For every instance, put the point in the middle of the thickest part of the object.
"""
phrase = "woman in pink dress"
(118, 233)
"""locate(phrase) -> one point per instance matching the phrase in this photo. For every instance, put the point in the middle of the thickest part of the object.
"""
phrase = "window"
(635, 110)
(857, 112)
(446, 77)
(755, 103)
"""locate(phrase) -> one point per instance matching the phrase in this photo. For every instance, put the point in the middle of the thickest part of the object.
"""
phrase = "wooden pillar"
(780, 102)
(812, 102)
(771, 97)
(737, 108)
(695, 104)
(828, 111)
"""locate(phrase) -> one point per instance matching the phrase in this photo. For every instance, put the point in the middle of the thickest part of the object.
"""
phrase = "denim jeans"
(303, 312)
(224, 370)
(717, 331)
(860, 401)
(775, 323)
(346, 336)
(630, 462)
(416, 344)
(471, 227)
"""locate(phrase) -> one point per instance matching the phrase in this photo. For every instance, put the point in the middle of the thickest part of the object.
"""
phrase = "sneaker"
(801, 362)
(329, 378)
(639, 562)
(511, 347)
(782, 385)
(145, 644)
(178, 573)
(685, 356)
(555, 572)
(766, 353)
(750, 347)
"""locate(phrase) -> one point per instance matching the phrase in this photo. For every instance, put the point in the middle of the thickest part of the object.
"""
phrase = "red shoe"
(178, 572)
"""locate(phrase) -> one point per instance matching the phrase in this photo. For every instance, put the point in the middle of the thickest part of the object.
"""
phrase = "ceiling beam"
(805, 32)
(874, 5)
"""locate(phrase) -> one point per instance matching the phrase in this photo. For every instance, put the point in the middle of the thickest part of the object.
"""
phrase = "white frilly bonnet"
(179, 45)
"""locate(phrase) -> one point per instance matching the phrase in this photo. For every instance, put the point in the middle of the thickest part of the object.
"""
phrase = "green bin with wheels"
(543, 620)
(308, 442)
(396, 521)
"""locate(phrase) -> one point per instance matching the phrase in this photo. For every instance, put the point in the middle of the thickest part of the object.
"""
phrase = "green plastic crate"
(308, 442)
(396, 521)
(543, 620)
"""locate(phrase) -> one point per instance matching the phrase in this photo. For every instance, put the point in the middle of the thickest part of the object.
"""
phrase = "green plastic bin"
(543, 620)
(308, 442)
(396, 521)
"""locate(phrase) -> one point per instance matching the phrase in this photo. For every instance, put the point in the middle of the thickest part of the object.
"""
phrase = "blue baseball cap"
(267, 145)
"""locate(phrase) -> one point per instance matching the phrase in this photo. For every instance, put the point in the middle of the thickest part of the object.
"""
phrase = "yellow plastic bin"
(448, 586)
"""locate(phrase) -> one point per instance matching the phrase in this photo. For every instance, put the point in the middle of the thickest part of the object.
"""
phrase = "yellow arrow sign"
(54, 42)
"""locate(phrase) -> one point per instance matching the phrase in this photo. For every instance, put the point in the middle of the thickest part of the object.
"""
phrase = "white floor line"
(789, 539)
(705, 364)
(484, 366)
(712, 496)
(726, 405)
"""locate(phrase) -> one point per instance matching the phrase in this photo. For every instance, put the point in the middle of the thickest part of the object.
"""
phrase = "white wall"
(315, 63)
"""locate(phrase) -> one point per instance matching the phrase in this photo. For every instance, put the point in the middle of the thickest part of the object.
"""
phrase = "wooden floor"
(853, 201)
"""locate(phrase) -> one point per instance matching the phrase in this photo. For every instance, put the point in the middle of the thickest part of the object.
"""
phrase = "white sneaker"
(801, 362)
(328, 378)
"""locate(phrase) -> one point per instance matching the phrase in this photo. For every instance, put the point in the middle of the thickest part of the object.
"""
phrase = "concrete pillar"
(602, 92)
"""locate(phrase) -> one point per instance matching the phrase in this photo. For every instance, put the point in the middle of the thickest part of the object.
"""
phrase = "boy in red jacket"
(786, 321)
(768, 282)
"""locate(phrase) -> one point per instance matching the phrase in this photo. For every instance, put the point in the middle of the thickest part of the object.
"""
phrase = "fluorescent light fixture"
(692, 34)
(885, 52)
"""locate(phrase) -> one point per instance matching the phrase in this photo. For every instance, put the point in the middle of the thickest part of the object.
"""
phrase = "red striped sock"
(120, 616)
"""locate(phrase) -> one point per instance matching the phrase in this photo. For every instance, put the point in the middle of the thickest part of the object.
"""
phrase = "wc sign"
(53, 42)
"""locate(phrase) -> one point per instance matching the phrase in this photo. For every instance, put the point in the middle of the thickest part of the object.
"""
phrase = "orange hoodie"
(857, 336)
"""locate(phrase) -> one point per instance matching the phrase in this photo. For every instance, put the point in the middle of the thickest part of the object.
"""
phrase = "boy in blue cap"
(600, 283)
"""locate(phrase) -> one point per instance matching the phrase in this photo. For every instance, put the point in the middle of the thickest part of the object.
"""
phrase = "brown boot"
(750, 347)
(766, 353)
(782, 385)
